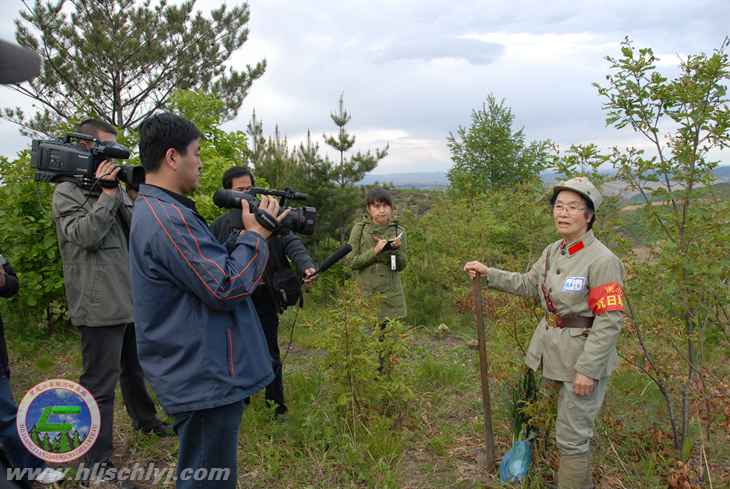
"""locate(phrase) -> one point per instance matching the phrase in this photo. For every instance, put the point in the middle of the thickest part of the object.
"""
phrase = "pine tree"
(46, 442)
(255, 130)
(75, 440)
(343, 142)
(57, 443)
(318, 181)
(490, 154)
(35, 437)
(350, 170)
(65, 444)
(121, 62)
(276, 163)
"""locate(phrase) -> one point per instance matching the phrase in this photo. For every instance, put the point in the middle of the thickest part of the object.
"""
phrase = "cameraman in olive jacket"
(92, 225)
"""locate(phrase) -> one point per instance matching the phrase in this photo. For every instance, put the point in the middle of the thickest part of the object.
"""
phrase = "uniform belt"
(569, 321)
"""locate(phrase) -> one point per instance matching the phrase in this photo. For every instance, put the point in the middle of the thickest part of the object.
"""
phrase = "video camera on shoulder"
(299, 220)
(55, 160)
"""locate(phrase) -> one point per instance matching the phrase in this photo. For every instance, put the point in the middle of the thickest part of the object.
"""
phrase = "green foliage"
(25, 206)
(330, 185)
(489, 227)
(523, 395)
(120, 62)
(582, 160)
(418, 423)
(680, 287)
(29, 243)
(219, 149)
(362, 358)
(489, 154)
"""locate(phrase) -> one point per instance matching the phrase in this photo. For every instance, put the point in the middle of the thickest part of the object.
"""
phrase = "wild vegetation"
(666, 420)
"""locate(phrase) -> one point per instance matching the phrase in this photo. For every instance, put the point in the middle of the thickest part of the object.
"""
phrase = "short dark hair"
(588, 203)
(376, 195)
(236, 172)
(93, 127)
(163, 131)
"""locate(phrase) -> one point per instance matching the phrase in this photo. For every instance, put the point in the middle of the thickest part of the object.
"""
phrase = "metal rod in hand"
(484, 372)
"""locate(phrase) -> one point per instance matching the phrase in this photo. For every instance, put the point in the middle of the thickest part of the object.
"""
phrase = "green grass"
(434, 443)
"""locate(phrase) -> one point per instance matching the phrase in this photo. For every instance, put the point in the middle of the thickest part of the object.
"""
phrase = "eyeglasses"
(571, 209)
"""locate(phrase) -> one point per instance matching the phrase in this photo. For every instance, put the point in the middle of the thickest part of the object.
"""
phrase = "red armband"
(605, 298)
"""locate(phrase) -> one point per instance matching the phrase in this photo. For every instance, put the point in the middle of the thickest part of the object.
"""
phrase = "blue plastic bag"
(516, 462)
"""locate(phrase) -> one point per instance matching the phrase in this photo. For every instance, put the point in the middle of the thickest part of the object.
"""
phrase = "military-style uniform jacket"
(583, 279)
(374, 272)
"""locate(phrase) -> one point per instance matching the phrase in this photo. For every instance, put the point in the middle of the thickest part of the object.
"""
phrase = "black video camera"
(54, 160)
(300, 220)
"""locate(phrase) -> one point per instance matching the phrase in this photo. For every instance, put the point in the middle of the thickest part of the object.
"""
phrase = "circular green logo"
(58, 420)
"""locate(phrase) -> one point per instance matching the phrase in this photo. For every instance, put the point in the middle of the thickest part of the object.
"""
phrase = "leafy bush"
(29, 243)
(362, 358)
(505, 229)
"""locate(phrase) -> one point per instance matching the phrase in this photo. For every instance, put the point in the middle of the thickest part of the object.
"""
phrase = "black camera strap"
(266, 220)
(108, 183)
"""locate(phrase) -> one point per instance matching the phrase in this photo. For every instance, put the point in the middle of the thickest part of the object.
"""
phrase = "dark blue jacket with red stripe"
(198, 336)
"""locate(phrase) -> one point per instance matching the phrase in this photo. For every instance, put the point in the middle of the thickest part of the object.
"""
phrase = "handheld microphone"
(338, 255)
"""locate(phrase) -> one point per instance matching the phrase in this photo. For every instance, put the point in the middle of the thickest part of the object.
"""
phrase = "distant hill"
(423, 180)
(439, 180)
(723, 172)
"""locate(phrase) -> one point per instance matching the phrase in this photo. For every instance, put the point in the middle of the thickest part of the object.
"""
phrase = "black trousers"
(110, 355)
(269, 318)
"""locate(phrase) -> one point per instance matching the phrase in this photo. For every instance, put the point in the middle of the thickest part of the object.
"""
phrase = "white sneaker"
(50, 476)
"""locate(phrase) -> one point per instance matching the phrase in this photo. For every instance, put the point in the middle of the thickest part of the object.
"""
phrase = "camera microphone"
(227, 199)
(338, 255)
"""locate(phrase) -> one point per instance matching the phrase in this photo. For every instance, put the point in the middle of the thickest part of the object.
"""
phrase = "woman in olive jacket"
(379, 255)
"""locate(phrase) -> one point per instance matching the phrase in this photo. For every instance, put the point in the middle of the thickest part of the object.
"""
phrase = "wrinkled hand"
(475, 269)
(107, 171)
(583, 386)
(395, 244)
(270, 206)
(310, 276)
(379, 245)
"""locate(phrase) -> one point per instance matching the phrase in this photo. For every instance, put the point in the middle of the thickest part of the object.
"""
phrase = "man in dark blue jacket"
(199, 339)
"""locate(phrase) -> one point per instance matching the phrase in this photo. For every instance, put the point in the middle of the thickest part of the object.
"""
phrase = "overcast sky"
(412, 70)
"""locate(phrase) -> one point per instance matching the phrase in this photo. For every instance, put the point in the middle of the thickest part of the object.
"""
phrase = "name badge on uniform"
(574, 284)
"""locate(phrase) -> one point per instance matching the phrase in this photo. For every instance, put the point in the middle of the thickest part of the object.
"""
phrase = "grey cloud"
(429, 48)
(429, 99)
(7, 24)
(405, 65)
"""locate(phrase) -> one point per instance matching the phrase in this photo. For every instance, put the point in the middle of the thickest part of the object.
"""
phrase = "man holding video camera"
(199, 339)
(92, 225)
(268, 298)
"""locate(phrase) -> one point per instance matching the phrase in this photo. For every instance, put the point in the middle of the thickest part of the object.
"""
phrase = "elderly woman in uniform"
(579, 283)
